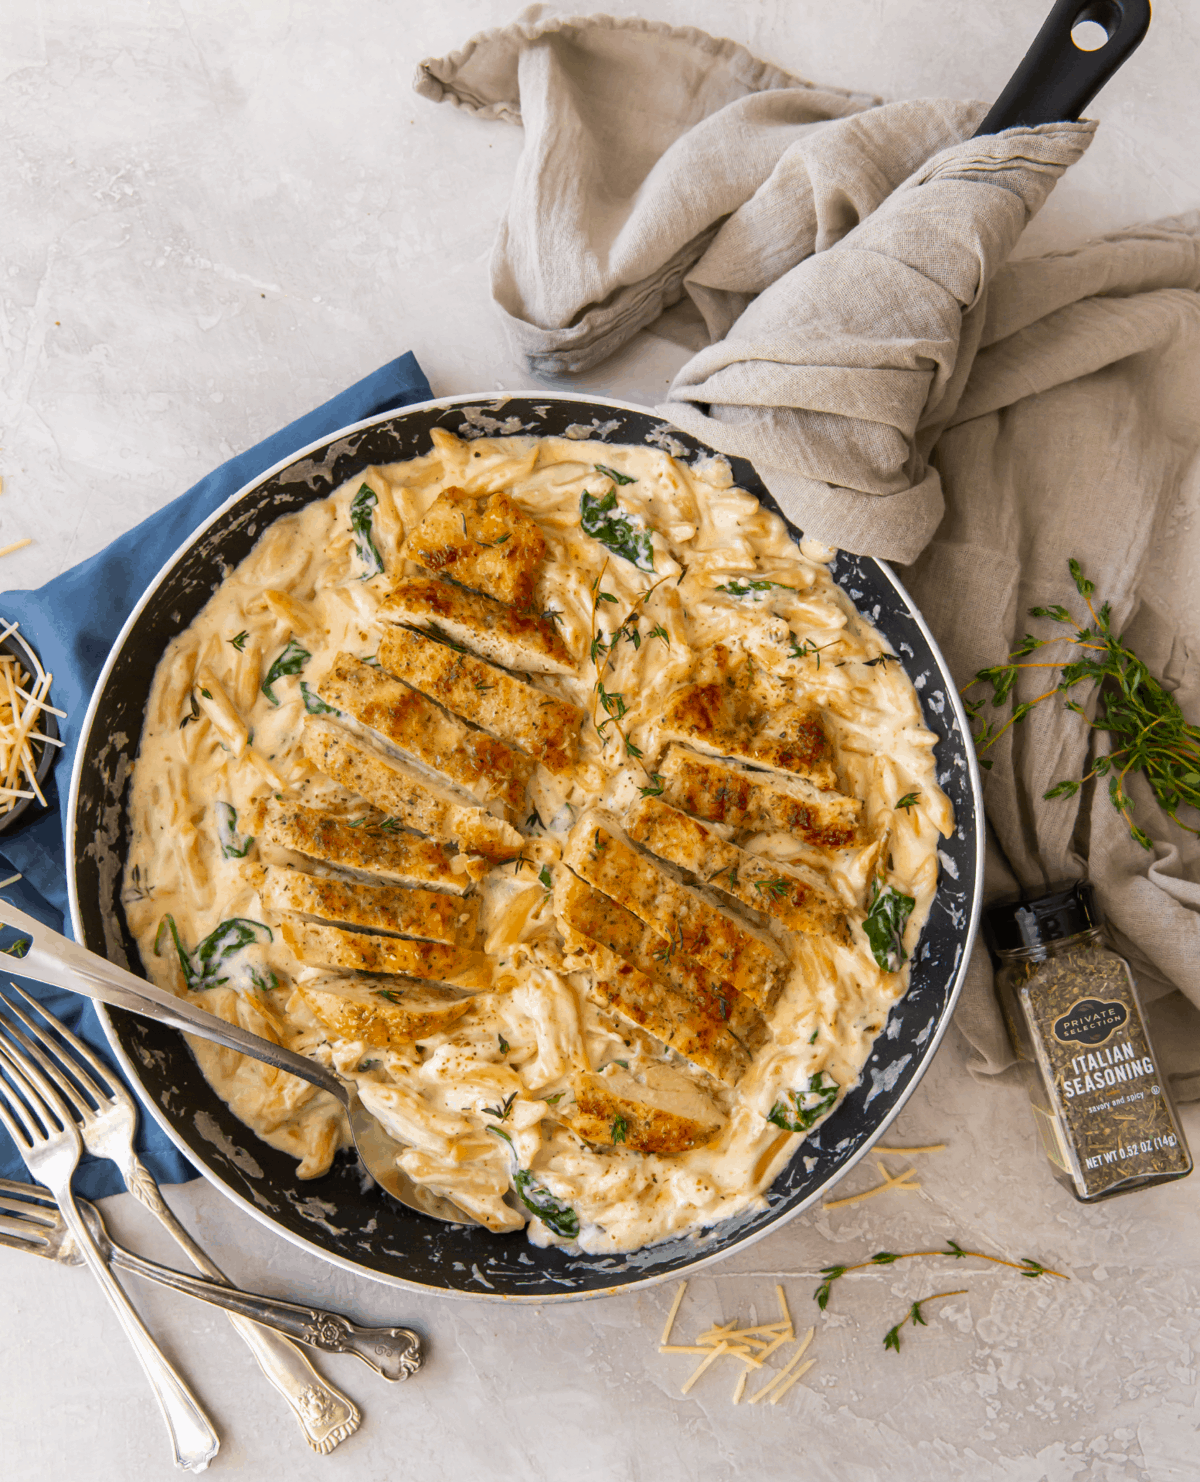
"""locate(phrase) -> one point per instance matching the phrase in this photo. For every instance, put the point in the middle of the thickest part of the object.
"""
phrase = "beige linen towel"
(902, 389)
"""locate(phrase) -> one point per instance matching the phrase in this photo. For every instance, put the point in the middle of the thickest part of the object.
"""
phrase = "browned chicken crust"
(546, 727)
(354, 845)
(385, 1013)
(417, 804)
(355, 951)
(754, 802)
(597, 916)
(618, 1112)
(412, 723)
(517, 639)
(410, 913)
(481, 540)
(765, 884)
(733, 952)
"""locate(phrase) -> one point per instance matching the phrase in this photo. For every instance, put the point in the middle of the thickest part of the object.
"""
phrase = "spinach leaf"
(290, 661)
(884, 926)
(200, 968)
(314, 704)
(616, 531)
(19, 948)
(611, 473)
(233, 844)
(793, 1116)
(740, 587)
(362, 508)
(561, 1218)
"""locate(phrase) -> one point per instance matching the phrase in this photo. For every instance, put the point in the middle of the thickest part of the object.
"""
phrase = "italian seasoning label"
(1094, 1054)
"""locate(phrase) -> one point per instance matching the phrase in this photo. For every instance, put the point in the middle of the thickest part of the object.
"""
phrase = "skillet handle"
(1056, 80)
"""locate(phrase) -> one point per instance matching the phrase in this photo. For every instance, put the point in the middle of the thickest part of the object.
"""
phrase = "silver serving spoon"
(30, 1221)
(53, 958)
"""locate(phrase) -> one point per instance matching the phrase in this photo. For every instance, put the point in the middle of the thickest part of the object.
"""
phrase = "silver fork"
(30, 1221)
(107, 1118)
(46, 1137)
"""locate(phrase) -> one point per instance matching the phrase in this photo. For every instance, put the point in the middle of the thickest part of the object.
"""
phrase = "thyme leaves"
(1147, 729)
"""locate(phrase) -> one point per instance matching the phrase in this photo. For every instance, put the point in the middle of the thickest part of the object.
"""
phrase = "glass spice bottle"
(1072, 1010)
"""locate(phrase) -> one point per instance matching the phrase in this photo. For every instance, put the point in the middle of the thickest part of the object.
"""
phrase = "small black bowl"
(14, 644)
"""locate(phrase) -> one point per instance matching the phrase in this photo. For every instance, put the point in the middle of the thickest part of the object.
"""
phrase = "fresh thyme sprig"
(1027, 1266)
(891, 1339)
(612, 702)
(1148, 729)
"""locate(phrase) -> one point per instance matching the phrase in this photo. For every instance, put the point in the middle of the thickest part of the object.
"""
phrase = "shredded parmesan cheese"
(787, 1384)
(700, 1368)
(786, 1370)
(897, 1181)
(666, 1337)
(22, 701)
(740, 1386)
(17, 545)
(933, 1147)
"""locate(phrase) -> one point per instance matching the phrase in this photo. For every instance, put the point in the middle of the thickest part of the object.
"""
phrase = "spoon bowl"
(53, 958)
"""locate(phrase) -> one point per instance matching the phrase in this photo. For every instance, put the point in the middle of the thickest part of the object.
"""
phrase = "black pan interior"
(335, 1213)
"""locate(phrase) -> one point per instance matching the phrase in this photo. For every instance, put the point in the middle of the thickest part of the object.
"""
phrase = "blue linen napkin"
(72, 622)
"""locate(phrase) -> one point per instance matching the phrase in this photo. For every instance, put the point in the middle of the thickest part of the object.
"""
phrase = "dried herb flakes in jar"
(1072, 1010)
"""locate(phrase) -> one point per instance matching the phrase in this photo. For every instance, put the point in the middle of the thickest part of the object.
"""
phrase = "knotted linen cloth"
(903, 389)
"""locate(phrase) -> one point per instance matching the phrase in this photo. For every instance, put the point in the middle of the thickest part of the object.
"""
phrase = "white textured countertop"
(217, 214)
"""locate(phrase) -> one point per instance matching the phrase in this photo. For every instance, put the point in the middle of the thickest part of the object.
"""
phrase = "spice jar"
(1072, 1011)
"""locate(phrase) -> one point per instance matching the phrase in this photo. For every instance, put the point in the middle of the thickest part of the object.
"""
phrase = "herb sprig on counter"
(1027, 1266)
(891, 1339)
(1149, 732)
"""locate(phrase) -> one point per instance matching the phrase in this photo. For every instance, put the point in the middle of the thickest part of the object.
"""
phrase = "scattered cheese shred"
(787, 1384)
(933, 1147)
(783, 1307)
(12, 880)
(700, 1368)
(666, 1337)
(786, 1370)
(898, 1181)
(17, 545)
(753, 1345)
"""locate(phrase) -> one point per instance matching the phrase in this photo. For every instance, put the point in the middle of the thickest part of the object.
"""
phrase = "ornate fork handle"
(395, 1353)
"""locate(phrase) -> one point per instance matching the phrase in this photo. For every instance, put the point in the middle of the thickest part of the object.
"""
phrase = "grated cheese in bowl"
(27, 730)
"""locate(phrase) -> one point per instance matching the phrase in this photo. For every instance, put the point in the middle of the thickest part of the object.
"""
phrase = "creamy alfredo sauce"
(216, 750)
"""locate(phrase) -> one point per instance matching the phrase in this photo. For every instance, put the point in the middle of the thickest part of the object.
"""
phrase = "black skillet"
(357, 1227)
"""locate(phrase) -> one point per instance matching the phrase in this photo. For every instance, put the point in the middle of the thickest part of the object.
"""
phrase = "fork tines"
(77, 1084)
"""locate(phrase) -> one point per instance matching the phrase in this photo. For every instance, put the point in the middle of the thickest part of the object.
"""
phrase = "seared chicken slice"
(353, 845)
(410, 913)
(777, 890)
(589, 913)
(754, 802)
(417, 804)
(518, 640)
(382, 1012)
(728, 714)
(481, 540)
(412, 723)
(736, 954)
(545, 727)
(613, 1108)
(355, 951)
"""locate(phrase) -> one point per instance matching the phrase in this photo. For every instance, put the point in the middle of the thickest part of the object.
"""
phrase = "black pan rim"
(774, 1219)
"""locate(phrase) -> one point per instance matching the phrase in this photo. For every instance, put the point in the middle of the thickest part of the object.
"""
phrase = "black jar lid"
(1021, 923)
